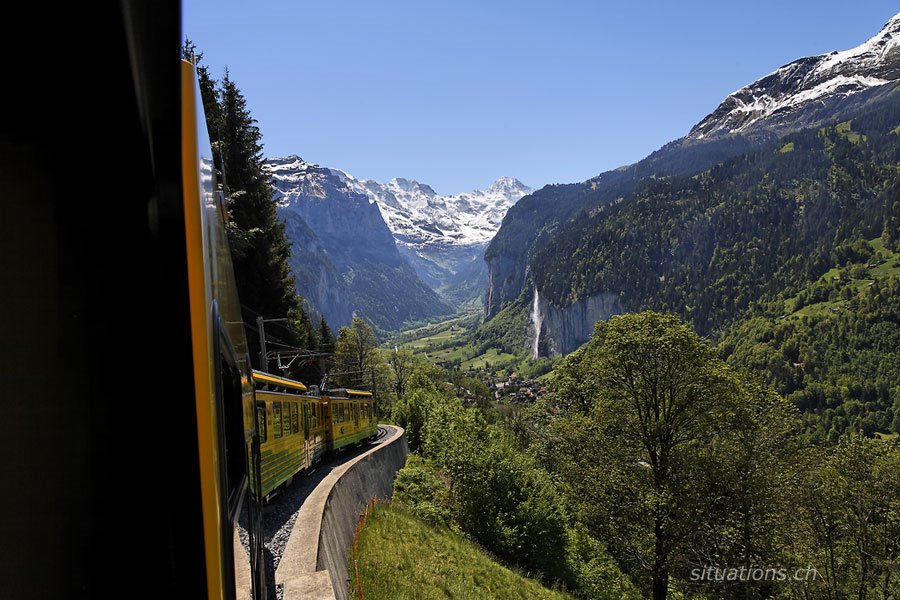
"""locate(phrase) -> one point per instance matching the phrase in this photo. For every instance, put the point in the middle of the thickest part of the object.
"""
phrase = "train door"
(327, 421)
(306, 443)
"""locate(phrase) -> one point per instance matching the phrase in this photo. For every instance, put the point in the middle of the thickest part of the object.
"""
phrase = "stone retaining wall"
(314, 564)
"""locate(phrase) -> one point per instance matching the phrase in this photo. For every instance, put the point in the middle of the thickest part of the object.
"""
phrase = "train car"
(129, 432)
(291, 426)
(351, 417)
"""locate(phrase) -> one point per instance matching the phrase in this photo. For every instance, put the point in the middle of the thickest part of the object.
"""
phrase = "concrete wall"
(314, 564)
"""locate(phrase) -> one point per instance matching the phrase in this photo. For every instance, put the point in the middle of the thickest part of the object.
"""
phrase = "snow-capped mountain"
(441, 237)
(414, 212)
(344, 257)
(800, 92)
(417, 215)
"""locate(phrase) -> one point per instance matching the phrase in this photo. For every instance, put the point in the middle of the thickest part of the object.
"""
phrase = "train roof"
(347, 393)
(260, 377)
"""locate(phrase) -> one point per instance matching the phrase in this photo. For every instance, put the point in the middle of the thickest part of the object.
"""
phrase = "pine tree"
(259, 247)
(326, 346)
(326, 337)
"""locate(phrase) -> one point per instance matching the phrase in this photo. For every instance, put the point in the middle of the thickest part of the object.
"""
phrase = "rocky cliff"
(345, 258)
(554, 331)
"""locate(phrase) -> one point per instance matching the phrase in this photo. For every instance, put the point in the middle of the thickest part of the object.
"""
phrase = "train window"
(315, 418)
(295, 418)
(276, 419)
(261, 421)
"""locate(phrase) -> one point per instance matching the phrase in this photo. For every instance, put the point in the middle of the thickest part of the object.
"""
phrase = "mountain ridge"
(825, 78)
(441, 237)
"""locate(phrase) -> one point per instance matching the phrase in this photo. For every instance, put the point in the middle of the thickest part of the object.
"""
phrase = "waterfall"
(537, 321)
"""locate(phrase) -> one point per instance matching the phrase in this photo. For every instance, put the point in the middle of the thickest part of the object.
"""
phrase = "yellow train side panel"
(201, 339)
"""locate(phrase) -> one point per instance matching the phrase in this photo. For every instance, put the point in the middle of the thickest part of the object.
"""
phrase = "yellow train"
(296, 428)
(136, 438)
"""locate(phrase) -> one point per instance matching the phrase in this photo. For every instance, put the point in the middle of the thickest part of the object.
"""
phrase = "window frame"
(277, 418)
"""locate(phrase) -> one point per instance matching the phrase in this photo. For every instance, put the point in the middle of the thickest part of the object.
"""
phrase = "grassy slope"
(401, 557)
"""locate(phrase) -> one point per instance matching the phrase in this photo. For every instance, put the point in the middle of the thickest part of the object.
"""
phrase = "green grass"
(462, 321)
(430, 341)
(401, 557)
(846, 129)
(493, 356)
(789, 147)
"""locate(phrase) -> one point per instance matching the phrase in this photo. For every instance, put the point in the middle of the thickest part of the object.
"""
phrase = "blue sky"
(456, 94)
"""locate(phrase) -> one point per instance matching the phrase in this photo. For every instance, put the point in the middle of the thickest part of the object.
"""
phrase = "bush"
(424, 492)
(593, 571)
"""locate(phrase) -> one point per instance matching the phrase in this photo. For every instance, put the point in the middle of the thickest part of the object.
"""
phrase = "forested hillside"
(786, 255)
(833, 349)
(708, 246)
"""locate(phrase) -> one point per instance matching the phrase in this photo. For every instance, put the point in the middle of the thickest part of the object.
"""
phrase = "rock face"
(506, 278)
(345, 258)
(558, 331)
(347, 224)
(457, 273)
(317, 278)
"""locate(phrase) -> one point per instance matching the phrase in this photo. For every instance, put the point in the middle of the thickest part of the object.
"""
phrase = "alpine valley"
(394, 253)
(626, 386)
(772, 227)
